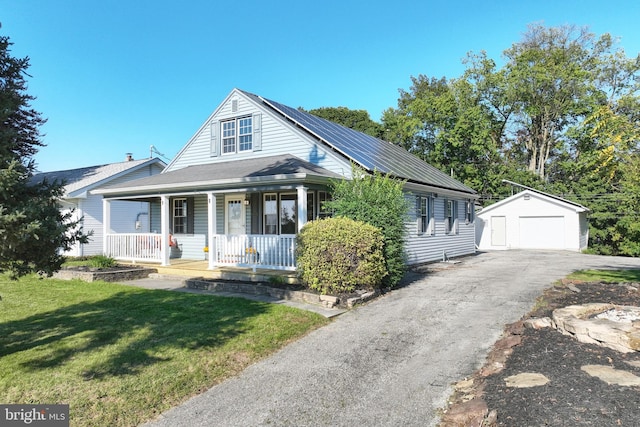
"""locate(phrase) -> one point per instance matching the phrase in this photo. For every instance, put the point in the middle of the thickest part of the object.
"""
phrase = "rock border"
(328, 301)
(116, 275)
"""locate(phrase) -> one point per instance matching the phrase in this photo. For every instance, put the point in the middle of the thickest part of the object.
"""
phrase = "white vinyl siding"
(282, 139)
(422, 248)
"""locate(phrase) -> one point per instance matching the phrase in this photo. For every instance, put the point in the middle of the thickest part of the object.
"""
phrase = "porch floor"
(191, 268)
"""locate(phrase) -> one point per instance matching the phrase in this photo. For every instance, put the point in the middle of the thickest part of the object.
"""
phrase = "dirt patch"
(572, 396)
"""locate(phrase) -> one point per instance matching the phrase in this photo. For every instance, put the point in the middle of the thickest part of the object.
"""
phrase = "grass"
(120, 355)
(606, 276)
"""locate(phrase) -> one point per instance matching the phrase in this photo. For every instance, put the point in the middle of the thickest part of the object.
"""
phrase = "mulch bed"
(572, 397)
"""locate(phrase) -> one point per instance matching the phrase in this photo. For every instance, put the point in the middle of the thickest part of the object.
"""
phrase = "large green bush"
(378, 200)
(337, 255)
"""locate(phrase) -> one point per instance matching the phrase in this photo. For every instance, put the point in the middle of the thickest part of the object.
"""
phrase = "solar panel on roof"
(369, 152)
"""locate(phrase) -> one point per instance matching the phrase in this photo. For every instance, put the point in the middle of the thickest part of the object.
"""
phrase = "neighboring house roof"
(79, 181)
(224, 175)
(365, 150)
(578, 208)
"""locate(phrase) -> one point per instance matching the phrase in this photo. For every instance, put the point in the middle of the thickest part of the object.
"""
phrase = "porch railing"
(143, 247)
(255, 250)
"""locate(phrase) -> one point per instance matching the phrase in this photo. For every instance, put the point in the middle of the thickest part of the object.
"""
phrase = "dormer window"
(237, 135)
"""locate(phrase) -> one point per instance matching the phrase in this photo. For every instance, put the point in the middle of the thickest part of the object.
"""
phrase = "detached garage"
(532, 220)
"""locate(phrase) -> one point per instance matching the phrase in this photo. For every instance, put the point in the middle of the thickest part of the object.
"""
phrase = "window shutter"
(257, 132)
(190, 215)
(215, 143)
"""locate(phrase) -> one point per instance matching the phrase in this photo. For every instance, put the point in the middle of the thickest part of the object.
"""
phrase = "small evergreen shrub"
(336, 255)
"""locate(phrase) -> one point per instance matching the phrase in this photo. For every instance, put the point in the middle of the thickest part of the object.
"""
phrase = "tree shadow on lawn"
(152, 322)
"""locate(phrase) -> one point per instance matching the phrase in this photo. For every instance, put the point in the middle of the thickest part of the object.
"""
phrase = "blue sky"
(114, 77)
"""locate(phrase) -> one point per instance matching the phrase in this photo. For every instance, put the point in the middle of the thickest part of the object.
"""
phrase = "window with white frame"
(237, 135)
(280, 213)
(323, 210)
(450, 216)
(425, 215)
(270, 214)
(179, 216)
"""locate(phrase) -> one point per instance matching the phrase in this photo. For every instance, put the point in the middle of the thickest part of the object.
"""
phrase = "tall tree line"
(561, 114)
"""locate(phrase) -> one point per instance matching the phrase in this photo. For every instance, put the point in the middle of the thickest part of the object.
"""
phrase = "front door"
(235, 215)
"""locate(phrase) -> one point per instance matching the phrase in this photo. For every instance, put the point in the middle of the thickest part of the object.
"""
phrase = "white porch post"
(165, 251)
(302, 206)
(211, 227)
(106, 225)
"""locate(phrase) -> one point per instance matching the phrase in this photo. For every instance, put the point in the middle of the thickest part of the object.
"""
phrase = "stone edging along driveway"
(392, 361)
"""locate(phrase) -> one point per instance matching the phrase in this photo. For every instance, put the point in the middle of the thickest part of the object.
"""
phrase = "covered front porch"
(181, 235)
(242, 214)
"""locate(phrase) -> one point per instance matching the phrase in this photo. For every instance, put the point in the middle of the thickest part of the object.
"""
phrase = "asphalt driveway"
(392, 361)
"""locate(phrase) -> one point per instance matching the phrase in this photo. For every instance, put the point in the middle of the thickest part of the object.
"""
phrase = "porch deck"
(191, 268)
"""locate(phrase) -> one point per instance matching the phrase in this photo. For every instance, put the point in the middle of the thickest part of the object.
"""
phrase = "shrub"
(337, 255)
(378, 200)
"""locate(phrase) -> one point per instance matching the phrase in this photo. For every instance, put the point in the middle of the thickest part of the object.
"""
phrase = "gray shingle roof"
(83, 179)
(205, 176)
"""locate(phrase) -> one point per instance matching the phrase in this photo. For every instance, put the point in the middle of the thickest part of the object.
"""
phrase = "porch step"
(164, 276)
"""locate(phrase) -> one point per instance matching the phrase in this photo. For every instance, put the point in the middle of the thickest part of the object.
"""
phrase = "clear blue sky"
(114, 77)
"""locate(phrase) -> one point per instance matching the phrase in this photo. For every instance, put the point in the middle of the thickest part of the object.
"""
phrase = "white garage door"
(542, 232)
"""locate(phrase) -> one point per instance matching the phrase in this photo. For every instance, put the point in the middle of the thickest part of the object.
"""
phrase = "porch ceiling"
(251, 171)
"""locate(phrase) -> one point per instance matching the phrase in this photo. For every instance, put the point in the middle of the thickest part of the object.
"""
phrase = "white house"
(256, 171)
(532, 220)
(131, 218)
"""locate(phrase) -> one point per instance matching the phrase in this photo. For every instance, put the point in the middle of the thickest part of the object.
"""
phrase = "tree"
(378, 200)
(354, 119)
(551, 77)
(457, 126)
(33, 231)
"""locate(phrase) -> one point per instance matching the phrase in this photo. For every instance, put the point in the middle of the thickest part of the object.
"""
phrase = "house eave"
(213, 185)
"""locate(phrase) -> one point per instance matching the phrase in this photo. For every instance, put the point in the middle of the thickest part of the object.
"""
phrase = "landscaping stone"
(612, 376)
(579, 321)
(526, 380)
(468, 414)
(539, 323)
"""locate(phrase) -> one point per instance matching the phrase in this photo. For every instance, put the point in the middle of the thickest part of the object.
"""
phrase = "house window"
(323, 210)
(311, 206)
(425, 215)
(270, 214)
(245, 134)
(229, 137)
(237, 135)
(179, 216)
(280, 213)
(450, 216)
(288, 213)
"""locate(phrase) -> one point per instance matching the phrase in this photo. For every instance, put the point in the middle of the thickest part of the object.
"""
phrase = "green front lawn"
(120, 355)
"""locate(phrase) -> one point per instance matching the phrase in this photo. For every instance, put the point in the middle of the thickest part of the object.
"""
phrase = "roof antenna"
(153, 149)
